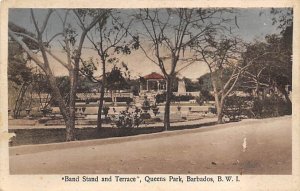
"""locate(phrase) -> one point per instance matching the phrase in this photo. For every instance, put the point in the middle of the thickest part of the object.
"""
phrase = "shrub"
(272, 106)
(105, 110)
(184, 98)
(106, 99)
(212, 110)
(145, 116)
(160, 98)
(206, 95)
(237, 107)
(124, 99)
(127, 119)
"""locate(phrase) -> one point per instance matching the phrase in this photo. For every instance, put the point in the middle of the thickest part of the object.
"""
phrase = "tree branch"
(27, 50)
(50, 11)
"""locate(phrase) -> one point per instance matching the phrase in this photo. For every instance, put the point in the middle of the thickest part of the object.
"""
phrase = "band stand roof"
(155, 76)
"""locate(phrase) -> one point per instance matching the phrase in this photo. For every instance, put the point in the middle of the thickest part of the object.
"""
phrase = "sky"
(252, 26)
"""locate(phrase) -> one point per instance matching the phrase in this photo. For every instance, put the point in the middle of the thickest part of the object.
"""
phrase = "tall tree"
(19, 74)
(72, 58)
(222, 58)
(167, 34)
(263, 73)
(108, 38)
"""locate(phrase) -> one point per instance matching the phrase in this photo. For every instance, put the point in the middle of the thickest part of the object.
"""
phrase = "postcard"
(149, 95)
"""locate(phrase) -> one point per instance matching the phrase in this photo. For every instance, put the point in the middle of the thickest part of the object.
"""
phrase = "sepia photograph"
(150, 95)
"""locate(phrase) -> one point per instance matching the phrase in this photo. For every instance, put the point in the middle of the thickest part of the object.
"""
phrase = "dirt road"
(247, 147)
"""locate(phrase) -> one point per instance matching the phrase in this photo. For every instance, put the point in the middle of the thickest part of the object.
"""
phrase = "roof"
(154, 75)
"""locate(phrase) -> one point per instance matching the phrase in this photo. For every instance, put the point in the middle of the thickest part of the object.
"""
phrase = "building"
(153, 82)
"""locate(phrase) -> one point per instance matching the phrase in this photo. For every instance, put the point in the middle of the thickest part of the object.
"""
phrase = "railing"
(187, 93)
(83, 96)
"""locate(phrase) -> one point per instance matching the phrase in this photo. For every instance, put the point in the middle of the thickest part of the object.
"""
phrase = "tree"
(285, 19)
(110, 37)
(116, 81)
(222, 58)
(205, 82)
(263, 73)
(168, 34)
(73, 55)
(191, 86)
(19, 74)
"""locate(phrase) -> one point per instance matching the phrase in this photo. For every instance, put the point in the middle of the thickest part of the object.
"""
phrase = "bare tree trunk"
(18, 100)
(74, 74)
(219, 107)
(99, 120)
(70, 126)
(67, 113)
(63, 109)
(218, 102)
(220, 113)
(100, 107)
(21, 100)
(57, 97)
(168, 103)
